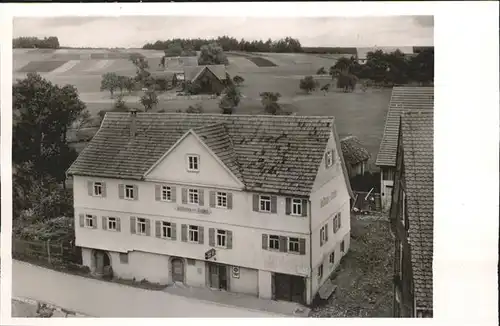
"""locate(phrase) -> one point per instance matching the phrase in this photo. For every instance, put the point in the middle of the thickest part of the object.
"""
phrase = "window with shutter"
(141, 226)
(274, 242)
(89, 221)
(297, 207)
(293, 245)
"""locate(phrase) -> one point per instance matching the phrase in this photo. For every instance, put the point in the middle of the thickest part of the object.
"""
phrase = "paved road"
(103, 299)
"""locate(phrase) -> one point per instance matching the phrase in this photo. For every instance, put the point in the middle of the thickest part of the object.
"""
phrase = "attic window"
(193, 163)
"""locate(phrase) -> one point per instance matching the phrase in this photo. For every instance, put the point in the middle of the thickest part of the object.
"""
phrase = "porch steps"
(327, 289)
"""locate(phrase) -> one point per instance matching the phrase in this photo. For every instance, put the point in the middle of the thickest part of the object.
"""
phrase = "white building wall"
(329, 197)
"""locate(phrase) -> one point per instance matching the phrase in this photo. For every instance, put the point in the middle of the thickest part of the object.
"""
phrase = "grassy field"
(360, 113)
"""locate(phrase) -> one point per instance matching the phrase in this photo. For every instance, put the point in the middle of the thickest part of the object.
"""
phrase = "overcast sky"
(136, 31)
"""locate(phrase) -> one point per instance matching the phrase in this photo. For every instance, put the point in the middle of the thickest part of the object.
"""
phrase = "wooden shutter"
(173, 195)
(320, 238)
(326, 160)
(288, 206)
(94, 221)
(211, 237)
(211, 199)
(229, 200)
(264, 241)
(121, 191)
(229, 243)
(104, 192)
(157, 192)
(302, 246)
(118, 224)
(132, 225)
(201, 195)
(255, 203)
(104, 222)
(90, 188)
(326, 232)
(184, 195)
(148, 227)
(340, 220)
(82, 220)
(200, 235)
(283, 243)
(304, 207)
(184, 237)
(158, 229)
(174, 231)
(273, 204)
(136, 192)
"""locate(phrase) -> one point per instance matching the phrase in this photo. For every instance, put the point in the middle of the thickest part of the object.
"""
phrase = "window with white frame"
(221, 238)
(129, 192)
(320, 272)
(193, 196)
(293, 245)
(166, 230)
(112, 222)
(332, 258)
(274, 242)
(322, 234)
(89, 221)
(297, 207)
(193, 162)
(329, 158)
(221, 200)
(141, 226)
(265, 203)
(193, 233)
(166, 193)
(337, 222)
(97, 188)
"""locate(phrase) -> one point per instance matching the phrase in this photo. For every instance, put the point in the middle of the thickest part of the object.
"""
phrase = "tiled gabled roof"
(403, 99)
(216, 137)
(192, 72)
(418, 156)
(275, 154)
(354, 152)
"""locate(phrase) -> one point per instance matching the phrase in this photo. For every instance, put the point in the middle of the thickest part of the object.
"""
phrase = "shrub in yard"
(321, 71)
(238, 80)
(197, 108)
(308, 84)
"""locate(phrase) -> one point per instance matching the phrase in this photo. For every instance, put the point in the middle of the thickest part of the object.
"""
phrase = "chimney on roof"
(133, 117)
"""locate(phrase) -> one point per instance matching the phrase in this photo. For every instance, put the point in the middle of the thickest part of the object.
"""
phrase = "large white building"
(250, 204)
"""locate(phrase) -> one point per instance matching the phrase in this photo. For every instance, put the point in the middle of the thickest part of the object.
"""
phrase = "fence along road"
(102, 299)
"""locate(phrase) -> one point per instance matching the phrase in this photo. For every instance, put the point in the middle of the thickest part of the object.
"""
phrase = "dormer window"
(193, 163)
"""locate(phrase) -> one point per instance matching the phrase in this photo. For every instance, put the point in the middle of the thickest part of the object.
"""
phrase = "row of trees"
(177, 46)
(51, 42)
(389, 69)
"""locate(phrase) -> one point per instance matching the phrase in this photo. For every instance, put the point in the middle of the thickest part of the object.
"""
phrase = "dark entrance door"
(289, 288)
(218, 276)
(177, 270)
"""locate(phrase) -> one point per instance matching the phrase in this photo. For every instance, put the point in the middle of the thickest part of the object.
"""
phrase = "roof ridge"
(315, 117)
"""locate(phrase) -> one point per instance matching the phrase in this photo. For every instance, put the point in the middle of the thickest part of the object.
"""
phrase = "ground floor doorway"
(218, 276)
(289, 288)
(177, 270)
(101, 263)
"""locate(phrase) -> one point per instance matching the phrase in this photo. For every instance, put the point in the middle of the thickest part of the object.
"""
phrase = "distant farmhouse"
(210, 79)
(363, 52)
(403, 99)
(355, 155)
(412, 215)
